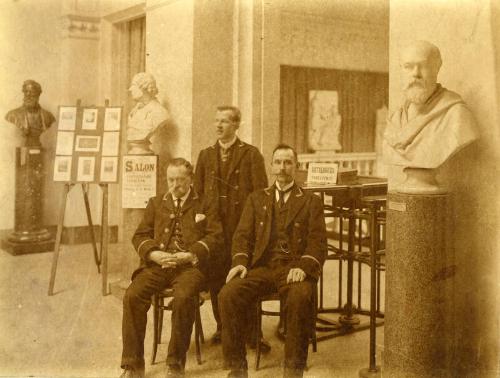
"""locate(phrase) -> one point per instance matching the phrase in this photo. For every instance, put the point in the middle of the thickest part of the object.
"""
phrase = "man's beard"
(30, 103)
(417, 92)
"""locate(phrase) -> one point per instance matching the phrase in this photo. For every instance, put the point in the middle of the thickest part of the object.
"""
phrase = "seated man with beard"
(433, 123)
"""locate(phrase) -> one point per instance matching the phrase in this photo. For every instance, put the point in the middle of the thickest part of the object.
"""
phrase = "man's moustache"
(415, 84)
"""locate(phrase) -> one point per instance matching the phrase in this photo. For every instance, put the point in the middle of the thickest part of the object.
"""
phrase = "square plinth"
(16, 249)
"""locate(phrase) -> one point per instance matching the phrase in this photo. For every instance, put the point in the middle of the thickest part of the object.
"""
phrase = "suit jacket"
(201, 229)
(305, 223)
(245, 174)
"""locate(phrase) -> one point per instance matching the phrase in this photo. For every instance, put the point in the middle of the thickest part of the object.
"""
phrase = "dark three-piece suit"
(269, 241)
(196, 227)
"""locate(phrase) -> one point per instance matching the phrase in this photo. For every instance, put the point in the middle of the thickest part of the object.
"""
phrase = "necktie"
(224, 154)
(177, 225)
(281, 196)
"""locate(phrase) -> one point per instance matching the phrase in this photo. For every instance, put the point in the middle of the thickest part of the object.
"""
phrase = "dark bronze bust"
(30, 117)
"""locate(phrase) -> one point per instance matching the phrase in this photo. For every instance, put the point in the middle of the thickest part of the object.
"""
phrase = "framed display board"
(88, 144)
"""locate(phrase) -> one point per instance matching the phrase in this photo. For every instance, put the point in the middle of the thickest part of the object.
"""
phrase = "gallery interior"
(282, 63)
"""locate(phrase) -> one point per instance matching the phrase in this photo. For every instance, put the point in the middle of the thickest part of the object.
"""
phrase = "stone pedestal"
(416, 282)
(29, 236)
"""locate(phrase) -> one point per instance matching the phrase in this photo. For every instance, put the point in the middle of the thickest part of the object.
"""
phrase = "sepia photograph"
(250, 188)
(86, 167)
(110, 143)
(112, 119)
(67, 118)
(62, 168)
(109, 169)
(65, 140)
(89, 121)
(88, 143)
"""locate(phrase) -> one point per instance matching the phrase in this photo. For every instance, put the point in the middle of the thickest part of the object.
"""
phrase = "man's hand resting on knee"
(295, 275)
(238, 270)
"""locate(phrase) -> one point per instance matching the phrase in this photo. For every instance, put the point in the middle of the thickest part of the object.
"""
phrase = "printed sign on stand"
(322, 173)
(138, 180)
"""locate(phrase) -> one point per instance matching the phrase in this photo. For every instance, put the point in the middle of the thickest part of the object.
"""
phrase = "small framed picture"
(110, 143)
(89, 121)
(67, 118)
(109, 169)
(65, 141)
(88, 143)
(86, 167)
(112, 119)
(62, 168)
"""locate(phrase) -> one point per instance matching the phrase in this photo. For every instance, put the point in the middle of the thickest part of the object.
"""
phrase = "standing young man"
(226, 173)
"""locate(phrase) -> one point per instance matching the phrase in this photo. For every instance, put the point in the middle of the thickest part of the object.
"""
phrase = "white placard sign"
(139, 180)
(322, 173)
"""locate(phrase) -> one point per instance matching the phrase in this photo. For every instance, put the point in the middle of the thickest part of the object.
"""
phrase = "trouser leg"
(236, 301)
(215, 288)
(299, 317)
(186, 284)
(136, 303)
(218, 279)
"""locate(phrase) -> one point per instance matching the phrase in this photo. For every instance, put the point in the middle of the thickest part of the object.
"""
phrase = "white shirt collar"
(183, 198)
(285, 188)
(228, 144)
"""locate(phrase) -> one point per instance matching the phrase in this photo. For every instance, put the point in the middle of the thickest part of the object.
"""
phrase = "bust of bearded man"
(432, 125)
(31, 118)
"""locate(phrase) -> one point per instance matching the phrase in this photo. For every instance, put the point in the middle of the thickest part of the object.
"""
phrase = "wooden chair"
(159, 307)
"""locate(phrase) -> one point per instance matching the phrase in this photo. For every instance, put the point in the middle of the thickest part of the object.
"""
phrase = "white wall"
(169, 49)
(327, 42)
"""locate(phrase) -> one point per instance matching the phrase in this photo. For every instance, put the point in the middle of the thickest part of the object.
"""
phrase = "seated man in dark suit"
(175, 240)
(279, 245)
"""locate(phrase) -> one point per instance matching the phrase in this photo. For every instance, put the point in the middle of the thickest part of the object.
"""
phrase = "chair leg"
(161, 303)
(202, 335)
(155, 328)
(197, 333)
(258, 329)
(313, 328)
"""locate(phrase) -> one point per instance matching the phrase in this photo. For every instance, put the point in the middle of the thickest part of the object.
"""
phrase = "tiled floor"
(77, 332)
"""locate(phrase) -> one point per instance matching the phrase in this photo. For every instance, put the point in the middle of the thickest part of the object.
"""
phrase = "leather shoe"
(174, 371)
(132, 373)
(239, 373)
(280, 331)
(216, 337)
(265, 347)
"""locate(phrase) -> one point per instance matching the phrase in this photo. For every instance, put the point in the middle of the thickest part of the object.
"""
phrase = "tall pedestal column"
(29, 236)
(417, 275)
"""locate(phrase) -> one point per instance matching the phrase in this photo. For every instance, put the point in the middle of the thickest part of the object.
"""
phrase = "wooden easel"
(101, 257)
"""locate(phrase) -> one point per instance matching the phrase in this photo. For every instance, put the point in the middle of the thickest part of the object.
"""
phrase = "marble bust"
(31, 118)
(432, 125)
(146, 116)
